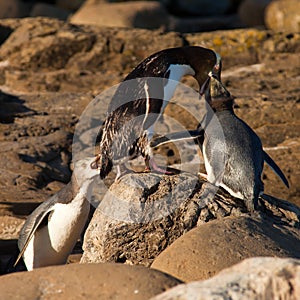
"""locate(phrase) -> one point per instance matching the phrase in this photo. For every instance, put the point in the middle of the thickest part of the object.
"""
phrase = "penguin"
(53, 228)
(140, 100)
(233, 153)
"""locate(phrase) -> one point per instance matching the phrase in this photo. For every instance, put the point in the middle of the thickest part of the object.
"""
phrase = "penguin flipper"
(175, 137)
(30, 227)
(275, 168)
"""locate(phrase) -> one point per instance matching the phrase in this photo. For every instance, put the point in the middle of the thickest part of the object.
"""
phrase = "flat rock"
(89, 281)
(138, 14)
(256, 278)
(207, 249)
(283, 15)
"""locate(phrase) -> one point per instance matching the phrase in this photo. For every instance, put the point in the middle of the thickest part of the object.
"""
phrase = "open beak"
(204, 86)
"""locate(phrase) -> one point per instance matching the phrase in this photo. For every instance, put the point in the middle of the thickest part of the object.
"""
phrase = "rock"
(48, 10)
(199, 8)
(40, 44)
(251, 12)
(142, 214)
(283, 15)
(207, 249)
(89, 281)
(255, 278)
(146, 215)
(13, 9)
(139, 14)
(44, 89)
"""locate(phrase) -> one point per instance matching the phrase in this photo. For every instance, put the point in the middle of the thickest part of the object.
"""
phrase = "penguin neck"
(221, 104)
(175, 73)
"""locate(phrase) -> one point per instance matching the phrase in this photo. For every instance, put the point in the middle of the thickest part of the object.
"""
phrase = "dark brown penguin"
(141, 98)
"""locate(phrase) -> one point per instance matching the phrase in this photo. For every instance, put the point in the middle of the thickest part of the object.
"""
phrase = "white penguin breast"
(176, 73)
(67, 222)
(52, 244)
(214, 178)
(209, 169)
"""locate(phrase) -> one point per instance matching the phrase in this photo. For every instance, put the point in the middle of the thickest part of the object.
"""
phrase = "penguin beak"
(216, 73)
(204, 86)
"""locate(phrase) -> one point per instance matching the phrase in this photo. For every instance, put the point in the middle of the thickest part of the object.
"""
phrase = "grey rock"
(256, 278)
(142, 214)
(283, 15)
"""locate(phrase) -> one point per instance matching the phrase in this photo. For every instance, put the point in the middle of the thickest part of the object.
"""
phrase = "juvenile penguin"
(141, 98)
(51, 231)
(232, 152)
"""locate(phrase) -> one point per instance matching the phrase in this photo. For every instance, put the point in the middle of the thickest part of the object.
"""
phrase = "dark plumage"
(141, 98)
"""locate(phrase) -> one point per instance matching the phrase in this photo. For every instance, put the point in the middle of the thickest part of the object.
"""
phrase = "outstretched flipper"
(38, 218)
(175, 137)
(275, 168)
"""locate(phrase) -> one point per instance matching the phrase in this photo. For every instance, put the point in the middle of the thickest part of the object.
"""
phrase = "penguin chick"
(52, 230)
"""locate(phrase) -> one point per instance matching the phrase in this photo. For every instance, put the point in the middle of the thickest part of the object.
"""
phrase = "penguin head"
(203, 61)
(216, 88)
(83, 171)
(174, 63)
(216, 95)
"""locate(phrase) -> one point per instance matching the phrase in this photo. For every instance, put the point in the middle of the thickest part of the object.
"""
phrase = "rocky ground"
(51, 70)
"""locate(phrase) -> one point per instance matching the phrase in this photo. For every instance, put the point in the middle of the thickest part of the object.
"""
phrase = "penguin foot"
(152, 166)
(203, 176)
(121, 171)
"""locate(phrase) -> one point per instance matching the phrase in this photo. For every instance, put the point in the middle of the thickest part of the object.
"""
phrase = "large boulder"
(257, 278)
(89, 281)
(212, 247)
(283, 15)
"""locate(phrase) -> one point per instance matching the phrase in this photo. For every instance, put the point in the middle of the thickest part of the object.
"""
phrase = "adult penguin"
(140, 100)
